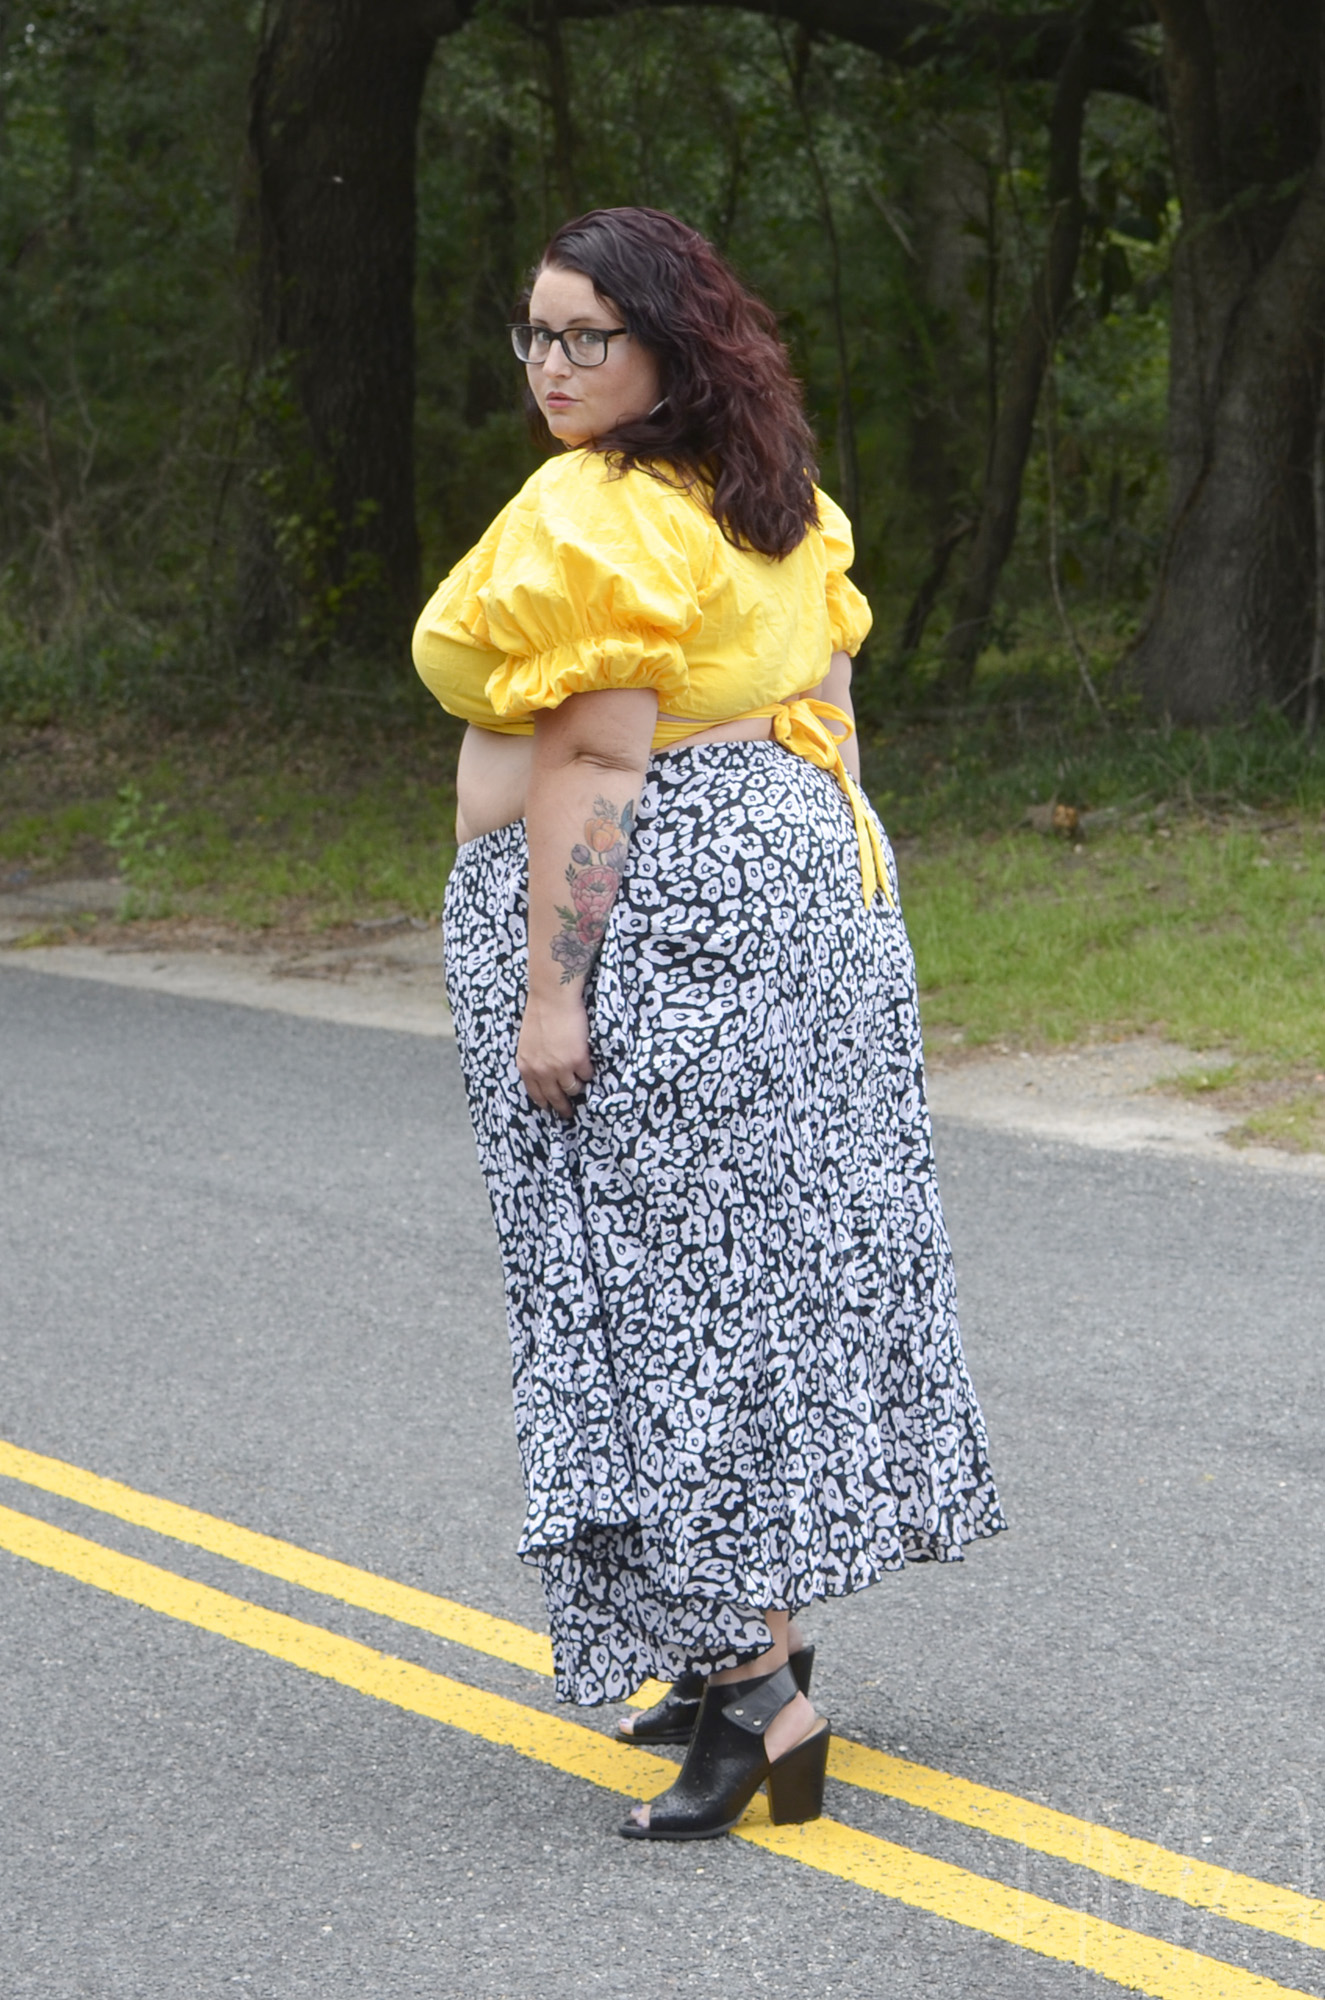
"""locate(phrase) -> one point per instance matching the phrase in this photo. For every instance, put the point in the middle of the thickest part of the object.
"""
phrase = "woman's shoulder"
(834, 531)
(582, 495)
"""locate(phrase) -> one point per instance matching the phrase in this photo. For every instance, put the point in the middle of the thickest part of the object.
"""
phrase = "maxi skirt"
(738, 1377)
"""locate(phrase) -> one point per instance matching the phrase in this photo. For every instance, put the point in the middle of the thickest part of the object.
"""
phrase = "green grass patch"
(242, 829)
(275, 846)
(1294, 1123)
(1198, 1083)
(1022, 743)
(54, 837)
(1213, 937)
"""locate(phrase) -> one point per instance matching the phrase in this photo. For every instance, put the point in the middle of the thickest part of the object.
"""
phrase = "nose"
(556, 365)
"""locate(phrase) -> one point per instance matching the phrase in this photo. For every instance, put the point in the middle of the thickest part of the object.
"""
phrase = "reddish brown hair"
(731, 421)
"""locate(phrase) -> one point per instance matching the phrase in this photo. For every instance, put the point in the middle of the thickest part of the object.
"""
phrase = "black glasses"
(583, 346)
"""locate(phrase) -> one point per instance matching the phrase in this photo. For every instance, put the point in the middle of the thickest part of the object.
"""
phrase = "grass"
(1296, 1124)
(301, 832)
(1214, 937)
(1280, 1106)
(1192, 905)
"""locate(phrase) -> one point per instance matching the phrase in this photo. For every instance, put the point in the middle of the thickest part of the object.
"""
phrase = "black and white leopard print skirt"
(738, 1376)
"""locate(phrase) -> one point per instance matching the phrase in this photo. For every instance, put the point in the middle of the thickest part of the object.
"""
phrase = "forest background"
(1054, 280)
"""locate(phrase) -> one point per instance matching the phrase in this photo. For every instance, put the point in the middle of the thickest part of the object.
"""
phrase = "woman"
(686, 1014)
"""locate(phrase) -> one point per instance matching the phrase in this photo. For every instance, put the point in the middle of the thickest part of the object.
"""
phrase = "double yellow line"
(1145, 1964)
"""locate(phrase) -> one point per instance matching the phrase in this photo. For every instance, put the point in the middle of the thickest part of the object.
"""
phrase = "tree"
(1014, 424)
(1231, 622)
(332, 549)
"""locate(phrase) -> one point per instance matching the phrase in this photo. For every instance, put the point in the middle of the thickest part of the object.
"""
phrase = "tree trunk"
(1231, 623)
(565, 140)
(953, 388)
(332, 554)
(1010, 439)
(797, 62)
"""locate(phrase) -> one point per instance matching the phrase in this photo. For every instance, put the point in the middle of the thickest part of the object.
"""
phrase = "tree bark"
(1230, 626)
(565, 140)
(797, 62)
(332, 551)
(1316, 670)
(952, 392)
(1012, 433)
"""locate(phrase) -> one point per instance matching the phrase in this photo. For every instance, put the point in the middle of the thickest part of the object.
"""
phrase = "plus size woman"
(686, 1013)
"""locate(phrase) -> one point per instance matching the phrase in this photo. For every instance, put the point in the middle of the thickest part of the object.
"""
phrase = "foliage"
(1027, 740)
(137, 840)
(118, 332)
(894, 221)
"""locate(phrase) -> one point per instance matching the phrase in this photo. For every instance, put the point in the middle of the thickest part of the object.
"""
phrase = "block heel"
(796, 1781)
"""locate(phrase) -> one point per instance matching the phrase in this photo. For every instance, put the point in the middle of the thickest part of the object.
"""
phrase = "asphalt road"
(246, 1264)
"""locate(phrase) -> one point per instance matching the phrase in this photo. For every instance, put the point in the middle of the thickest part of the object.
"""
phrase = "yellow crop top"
(594, 579)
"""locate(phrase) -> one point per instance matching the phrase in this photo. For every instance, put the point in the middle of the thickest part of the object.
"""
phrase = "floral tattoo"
(594, 876)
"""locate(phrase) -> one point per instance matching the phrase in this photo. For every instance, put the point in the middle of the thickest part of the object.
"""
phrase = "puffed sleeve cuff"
(521, 685)
(849, 615)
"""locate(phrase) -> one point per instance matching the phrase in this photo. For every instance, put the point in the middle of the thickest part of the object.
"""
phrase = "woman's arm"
(590, 755)
(835, 687)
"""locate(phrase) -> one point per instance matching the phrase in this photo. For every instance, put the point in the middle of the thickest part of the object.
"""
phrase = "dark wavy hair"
(731, 421)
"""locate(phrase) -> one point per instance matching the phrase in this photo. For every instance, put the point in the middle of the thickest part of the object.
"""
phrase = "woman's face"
(581, 404)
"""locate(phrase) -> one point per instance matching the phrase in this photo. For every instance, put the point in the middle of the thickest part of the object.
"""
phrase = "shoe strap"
(755, 1703)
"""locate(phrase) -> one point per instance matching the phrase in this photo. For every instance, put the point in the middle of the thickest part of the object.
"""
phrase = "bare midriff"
(493, 773)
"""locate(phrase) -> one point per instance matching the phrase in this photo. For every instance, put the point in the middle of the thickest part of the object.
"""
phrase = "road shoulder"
(1109, 1096)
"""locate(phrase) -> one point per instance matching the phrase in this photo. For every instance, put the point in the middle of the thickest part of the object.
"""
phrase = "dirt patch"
(1133, 1096)
(1264, 1103)
(381, 973)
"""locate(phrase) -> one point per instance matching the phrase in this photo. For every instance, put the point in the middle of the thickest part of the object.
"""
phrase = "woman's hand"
(552, 1054)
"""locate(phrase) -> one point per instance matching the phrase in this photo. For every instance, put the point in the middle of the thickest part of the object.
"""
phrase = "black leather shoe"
(727, 1763)
(672, 1720)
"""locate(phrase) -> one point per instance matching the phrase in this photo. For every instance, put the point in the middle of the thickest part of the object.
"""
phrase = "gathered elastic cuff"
(522, 686)
(849, 615)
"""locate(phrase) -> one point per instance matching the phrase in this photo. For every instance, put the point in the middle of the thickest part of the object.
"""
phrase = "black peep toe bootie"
(727, 1763)
(673, 1719)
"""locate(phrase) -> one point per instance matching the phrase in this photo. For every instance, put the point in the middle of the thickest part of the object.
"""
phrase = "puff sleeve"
(849, 614)
(452, 664)
(592, 585)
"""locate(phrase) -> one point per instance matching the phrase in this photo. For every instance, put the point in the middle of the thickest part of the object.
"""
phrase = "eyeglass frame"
(605, 334)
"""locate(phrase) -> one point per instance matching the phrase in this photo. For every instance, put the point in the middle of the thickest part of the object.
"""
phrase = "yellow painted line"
(498, 1637)
(1139, 1863)
(569, 1746)
(1142, 1964)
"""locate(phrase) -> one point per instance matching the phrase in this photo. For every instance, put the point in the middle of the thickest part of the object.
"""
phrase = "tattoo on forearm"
(594, 875)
